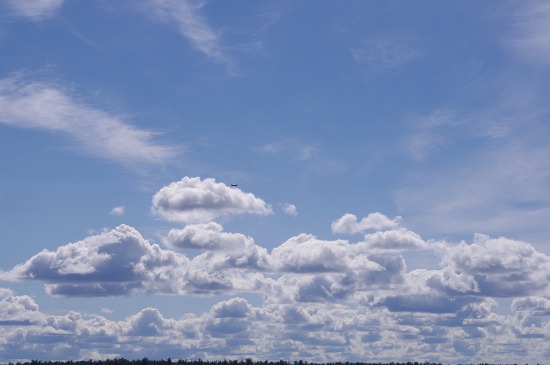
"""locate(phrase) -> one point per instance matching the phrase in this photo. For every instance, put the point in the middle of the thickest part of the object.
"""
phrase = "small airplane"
(234, 185)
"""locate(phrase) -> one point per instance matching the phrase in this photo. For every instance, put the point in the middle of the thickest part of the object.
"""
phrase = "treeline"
(146, 361)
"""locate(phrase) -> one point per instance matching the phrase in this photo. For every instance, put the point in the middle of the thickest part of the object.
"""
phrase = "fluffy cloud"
(501, 267)
(17, 310)
(394, 240)
(46, 106)
(348, 223)
(536, 305)
(105, 264)
(192, 200)
(208, 236)
(317, 298)
(311, 330)
(121, 261)
(290, 209)
(120, 210)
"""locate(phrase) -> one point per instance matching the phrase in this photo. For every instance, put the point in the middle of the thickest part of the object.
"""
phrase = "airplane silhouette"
(234, 185)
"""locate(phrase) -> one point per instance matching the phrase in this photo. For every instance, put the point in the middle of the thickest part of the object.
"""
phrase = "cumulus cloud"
(394, 240)
(19, 310)
(501, 267)
(121, 261)
(208, 236)
(316, 331)
(317, 297)
(348, 223)
(50, 107)
(290, 209)
(192, 200)
(120, 210)
(537, 306)
(99, 265)
(35, 9)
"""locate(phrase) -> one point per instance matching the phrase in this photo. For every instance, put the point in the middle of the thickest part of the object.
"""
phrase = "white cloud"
(309, 330)
(193, 200)
(120, 210)
(290, 209)
(35, 9)
(537, 306)
(348, 223)
(306, 253)
(395, 240)
(39, 105)
(185, 15)
(318, 297)
(18, 310)
(111, 263)
(501, 267)
(208, 236)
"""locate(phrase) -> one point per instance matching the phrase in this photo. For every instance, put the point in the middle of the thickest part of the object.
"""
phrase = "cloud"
(208, 236)
(35, 9)
(310, 330)
(290, 209)
(317, 298)
(531, 33)
(501, 267)
(121, 261)
(107, 311)
(100, 265)
(18, 310)
(348, 223)
(192, 200)
(395, 240)
(299, 150)
(43, 106)
(497, 184)
(536, 306)
(120, 210)
(185, 15)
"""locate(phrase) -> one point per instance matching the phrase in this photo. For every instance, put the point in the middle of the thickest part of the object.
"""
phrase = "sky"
(298, 180)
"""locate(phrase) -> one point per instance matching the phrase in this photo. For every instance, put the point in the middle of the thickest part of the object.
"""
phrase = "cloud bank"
(320, 300)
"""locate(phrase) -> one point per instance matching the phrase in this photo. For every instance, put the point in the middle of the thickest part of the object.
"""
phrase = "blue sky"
(392, 170)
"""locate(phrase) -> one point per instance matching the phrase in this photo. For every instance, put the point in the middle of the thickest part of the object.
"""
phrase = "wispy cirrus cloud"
(192, 25)
(51, 107)
(530, 37)
(35, 9)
